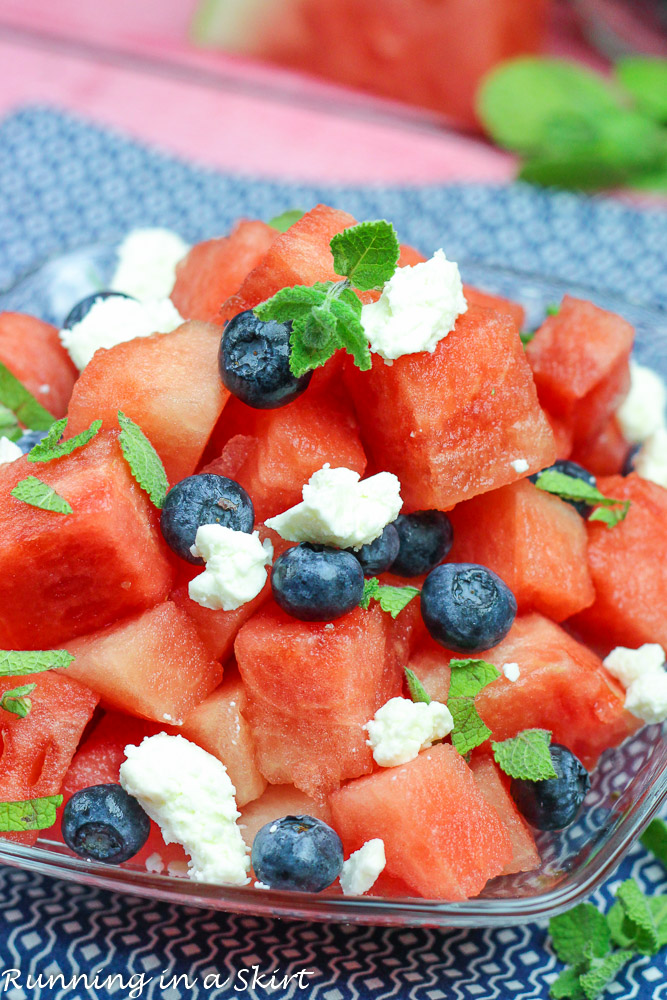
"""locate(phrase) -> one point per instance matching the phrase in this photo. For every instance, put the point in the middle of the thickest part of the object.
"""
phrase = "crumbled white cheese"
(115, 320)
(401, 728)
(188, 793)
(154, 864)
(9, 451)
(643, 410)
(340, 509)
(147, 260)
(362, 868)
(261, 885)
(235, 567)
(178, 869)
(651, 459)
(642, 673)
(418, 307)
(520, 465)
(511, 671)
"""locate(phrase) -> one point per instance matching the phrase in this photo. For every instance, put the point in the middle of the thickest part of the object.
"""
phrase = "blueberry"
(577, 472)
(467, 607)
(203, 499)
(378, 555)
(299, 853)
(82, 308)
(552, 804)
(254, 362)
(316, 583)
(628, 464)
(104, 823)
(29, 439)
(425, 539)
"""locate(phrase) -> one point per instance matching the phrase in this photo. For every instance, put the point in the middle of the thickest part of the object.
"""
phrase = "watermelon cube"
(535, 542)
(64, 575)
(494, 786)
(450, 424)
(496, 303)
(606, 453)
(562, 433)
(580, 360)
(214, 270)
(153, 665)
(311, 687)
(277, 801)
(441, 836)
(629, 568)
(33, 353)
(169, 384)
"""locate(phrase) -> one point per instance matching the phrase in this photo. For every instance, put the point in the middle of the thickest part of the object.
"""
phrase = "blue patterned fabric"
(65, 184)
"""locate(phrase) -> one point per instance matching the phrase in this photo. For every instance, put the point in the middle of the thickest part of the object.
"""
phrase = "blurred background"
(362, 90)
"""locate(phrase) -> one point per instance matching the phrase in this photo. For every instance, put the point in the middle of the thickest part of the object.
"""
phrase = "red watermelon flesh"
(63, 575)
(35, 752)
(494, 786)
(311, 687)
(33, 353)
(440, 834)
(449, 424)
(214, 270)
(605, 454)
(277, 801)
(169, 384)
(496, 303)
(562, 433)
(535, 542)
(153, 665)
(580, 361)
(628, 565)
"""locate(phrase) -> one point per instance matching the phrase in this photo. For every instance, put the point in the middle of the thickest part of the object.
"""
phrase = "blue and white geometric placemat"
(65, 184)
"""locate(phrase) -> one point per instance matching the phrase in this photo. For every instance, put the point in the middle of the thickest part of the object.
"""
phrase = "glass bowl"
(628, 786)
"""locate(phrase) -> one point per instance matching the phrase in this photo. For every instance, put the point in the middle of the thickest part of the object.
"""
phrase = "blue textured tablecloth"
(64, 184)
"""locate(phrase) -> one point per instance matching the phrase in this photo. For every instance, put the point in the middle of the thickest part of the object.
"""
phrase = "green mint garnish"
(526, 336)
(391, 599)
(415, 687)
(646, 80)
(144, 462)
(570, 488)
(552, 309)
(326, 316)
(654, 838)
(467, 679)
(38, 494)
(526, 755)
(52, 447)
(17, 700)
(33, 814)
(15, 397)
(638, 925)
(286, 219)
(601, 972)
(579, 931)
(20, 662)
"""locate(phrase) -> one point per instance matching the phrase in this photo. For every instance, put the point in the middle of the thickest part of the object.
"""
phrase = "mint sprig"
(17, 700)
(51, 447)
(654, 838)
(286, 219)
(15, 397)
(526, 755)
(391, 599)
(467, 678)
(367, 254)
(33, 491)
(609, 511)
(416, 689)
(31, 814)
(144, 462)
(20, 662)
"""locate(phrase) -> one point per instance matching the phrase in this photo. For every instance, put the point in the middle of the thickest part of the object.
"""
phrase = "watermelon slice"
(580, 359)
(153, 665)
(494, 786)
(606, 453)
(449, 424)
(562, 433)
(440, 834)
(535, 542)
(214, 270)
(169, 384)
(277, 801)
(496, 303)
(63, 575)
(33, 353)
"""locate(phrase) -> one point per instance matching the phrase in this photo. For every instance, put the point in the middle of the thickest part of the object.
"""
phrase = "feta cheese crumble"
(147, 260)
(511, 671)
(520, 465)
(154, 863)
(115, 320)
(340, 509)
(418, 307)
(642, 673)
(188, 793)
(401, 728)
(362, 868)
(651, 459)
(643, 410)
(235, 567)
(9, 451)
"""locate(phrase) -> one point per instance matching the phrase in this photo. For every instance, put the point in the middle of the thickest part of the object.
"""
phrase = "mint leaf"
(469, 730)
(52, 447)
(567, 986)
(526, 336)
(144, 462)
(646, 80)
(581, 928)
(638, 923)
(17, 701)
(286, 219)
(415, 687)
(654, 839)
(350, 333)
(15, 397)
(602, 972)
(658, 907)
(38, 494)
(367, 254)
(391, 599)
(33, 814)
(292, 303)
(469, 677)
(552, 309)
(570, 488)
(526, 755)
(371, 587)
(20, 662)
(611, 516)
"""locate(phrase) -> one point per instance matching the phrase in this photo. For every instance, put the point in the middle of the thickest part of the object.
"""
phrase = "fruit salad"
(318, 572)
